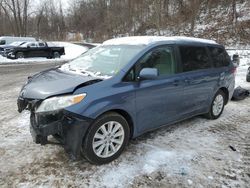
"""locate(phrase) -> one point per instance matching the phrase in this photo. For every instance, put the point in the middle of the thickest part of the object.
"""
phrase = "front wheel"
(217, 105)
(248, 75)
(106, 139)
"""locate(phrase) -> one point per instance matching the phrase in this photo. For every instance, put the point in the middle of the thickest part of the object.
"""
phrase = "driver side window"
(32, 45)
(161, 58)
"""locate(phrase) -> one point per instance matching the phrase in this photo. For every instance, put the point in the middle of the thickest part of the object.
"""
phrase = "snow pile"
(71, 50)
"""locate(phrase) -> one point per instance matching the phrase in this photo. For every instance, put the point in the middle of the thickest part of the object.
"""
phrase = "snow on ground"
(71, 51)
(192, 153)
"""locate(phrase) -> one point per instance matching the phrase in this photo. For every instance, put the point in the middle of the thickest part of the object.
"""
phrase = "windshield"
(105, 60)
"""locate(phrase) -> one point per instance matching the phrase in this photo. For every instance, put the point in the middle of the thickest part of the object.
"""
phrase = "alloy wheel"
(218, 105)
(108, 139)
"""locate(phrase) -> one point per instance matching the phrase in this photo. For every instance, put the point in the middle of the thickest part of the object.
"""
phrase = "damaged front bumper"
(67, 127)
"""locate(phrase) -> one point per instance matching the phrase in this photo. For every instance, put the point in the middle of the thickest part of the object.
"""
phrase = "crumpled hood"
(52, 82)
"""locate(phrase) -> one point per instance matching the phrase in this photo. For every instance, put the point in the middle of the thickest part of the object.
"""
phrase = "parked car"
(5, 40)
(248, 75)
(35, 49)
(124, 88)
(5, 49)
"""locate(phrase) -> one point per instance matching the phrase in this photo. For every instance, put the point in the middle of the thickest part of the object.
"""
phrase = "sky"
(65, 3)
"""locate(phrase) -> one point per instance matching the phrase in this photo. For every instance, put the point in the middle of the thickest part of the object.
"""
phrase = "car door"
(200, 78)
(42, 50)
(31, 50)
(158, 101)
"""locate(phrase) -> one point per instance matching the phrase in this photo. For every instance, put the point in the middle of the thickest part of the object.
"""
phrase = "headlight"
(57, 103)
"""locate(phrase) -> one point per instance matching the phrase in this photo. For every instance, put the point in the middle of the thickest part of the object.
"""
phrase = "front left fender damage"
(68, 128)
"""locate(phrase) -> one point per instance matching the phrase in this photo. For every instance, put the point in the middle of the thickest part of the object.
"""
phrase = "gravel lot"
(193, 153)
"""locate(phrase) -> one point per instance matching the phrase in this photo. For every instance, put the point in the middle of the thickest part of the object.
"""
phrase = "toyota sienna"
(123, 88)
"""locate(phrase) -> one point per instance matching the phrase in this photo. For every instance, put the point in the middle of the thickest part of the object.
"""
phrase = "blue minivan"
(123, 88)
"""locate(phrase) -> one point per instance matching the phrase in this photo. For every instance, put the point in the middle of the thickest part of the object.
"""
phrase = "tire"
(56, 55)
(100, 148)
(19, 55)
(248, 78)
(217, 106)
(248, 75)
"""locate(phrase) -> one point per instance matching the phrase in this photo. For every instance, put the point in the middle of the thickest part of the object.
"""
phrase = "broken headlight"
(57, 103)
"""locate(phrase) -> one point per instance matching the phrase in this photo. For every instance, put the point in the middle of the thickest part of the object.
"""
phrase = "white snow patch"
(210, 177)
(146, 162)
(71, 50)
(190, 182)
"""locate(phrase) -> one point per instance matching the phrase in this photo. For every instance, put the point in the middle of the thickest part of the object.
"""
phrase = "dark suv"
(125, 87)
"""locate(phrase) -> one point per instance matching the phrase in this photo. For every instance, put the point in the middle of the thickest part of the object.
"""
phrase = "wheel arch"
(225, 90)
(126, 115)
(16, 52)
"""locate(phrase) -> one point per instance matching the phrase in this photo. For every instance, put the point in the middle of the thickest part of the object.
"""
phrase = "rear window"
(41, 44)
(194, 58)
(219, 57)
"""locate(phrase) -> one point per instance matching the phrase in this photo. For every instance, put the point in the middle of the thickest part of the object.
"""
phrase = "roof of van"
(147, 40)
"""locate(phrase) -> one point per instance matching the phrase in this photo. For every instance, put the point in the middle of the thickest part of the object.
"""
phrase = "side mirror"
(28, 47)
(148, 74)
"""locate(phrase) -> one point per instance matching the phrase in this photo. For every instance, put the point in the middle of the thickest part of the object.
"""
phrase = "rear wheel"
(106, 139)
(248, 75)
(56, 55)
(217, 105)
(19, 55)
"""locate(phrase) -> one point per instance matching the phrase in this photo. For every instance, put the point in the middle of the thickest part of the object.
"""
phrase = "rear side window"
(194, 58)
(32, 45)
(219, 57)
